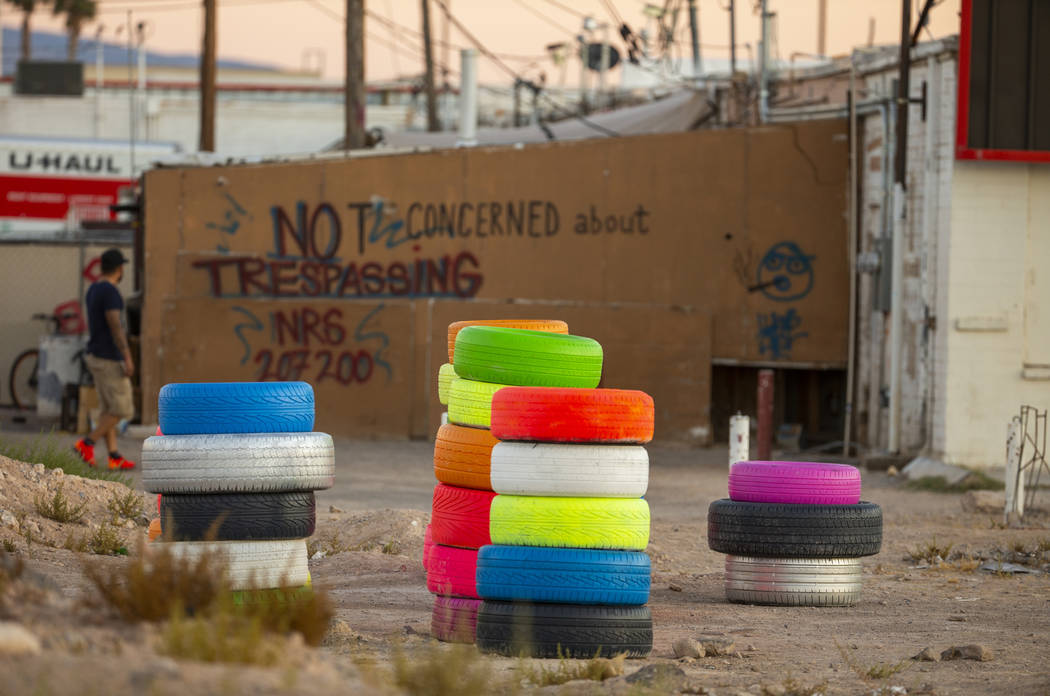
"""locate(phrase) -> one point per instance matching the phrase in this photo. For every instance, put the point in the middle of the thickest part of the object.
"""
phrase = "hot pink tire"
(452, 571)
(807, 483)
(454, 620)
(428, 544)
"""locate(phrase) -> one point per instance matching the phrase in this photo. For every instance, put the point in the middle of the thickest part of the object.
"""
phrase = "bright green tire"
(527, 358)
(445, 376)
(470, 402)
(582, 523)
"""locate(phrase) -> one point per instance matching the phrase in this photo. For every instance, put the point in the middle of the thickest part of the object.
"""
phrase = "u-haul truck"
(49, 185)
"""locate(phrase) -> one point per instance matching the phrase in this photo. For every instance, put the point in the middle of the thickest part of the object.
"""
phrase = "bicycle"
(22, 379)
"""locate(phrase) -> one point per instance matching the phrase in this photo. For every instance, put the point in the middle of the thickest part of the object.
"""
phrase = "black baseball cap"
(112, 259)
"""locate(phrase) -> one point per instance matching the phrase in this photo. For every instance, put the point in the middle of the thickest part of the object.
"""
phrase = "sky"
(296, 34)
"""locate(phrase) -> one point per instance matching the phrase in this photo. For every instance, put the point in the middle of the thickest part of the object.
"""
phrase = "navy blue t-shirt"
(101, 297)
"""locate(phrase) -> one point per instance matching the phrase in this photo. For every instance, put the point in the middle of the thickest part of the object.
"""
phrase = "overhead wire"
(545, 18)
(566, 8)
(506, 68)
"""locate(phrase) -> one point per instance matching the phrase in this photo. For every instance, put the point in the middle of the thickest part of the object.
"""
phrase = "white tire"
(794, 582)
(546, 469)
(238, 463)
(251, 564)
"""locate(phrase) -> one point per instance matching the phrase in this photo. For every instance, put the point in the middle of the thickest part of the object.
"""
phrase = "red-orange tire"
(460, 517)
(551, 325)
(463, 456)
(547, 414)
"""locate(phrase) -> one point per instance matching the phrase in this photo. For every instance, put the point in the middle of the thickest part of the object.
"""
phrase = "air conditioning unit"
(50, 78)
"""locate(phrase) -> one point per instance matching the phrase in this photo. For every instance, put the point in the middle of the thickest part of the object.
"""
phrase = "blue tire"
(236, 407)
(568, 576)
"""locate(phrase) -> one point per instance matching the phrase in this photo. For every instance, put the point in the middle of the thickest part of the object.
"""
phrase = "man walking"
(109, 360)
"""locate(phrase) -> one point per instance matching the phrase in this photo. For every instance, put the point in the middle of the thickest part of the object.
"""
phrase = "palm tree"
(27, 7)
(77, 12)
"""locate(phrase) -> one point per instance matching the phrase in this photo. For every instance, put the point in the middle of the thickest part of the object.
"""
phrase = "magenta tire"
(805, 483)
(454, 619)
(428, 544)
(452, 571)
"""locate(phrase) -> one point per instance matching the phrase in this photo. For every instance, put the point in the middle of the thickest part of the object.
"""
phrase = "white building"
(974, 297)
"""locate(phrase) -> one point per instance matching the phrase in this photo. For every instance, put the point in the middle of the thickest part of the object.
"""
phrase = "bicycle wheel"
(22, 379)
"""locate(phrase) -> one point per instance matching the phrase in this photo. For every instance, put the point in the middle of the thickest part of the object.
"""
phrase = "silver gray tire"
(574, 470)
(793, 582)
(251, 564)
(238, 463)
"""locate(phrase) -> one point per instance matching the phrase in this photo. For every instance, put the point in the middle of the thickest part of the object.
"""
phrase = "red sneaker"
(121, 463)
(85, 452)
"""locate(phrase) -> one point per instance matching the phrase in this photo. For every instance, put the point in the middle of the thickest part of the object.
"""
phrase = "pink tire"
(807, 483)
(452, 571)
(454, 620)
(428, 544)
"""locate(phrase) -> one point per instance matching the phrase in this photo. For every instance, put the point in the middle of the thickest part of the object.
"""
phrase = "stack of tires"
(560, 565)
(237, 466)
(460, 516)
(793, 533)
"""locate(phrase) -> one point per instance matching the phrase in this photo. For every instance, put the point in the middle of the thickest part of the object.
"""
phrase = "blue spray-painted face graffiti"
(785, 273)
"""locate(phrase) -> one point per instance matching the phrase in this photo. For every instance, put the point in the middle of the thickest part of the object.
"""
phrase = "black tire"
(238, 517)
(532, 629)
(22, 379)
(776, 530)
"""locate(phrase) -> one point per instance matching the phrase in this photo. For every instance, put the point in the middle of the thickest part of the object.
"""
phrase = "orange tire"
(154, 529)
(463, 456)
(550, 325)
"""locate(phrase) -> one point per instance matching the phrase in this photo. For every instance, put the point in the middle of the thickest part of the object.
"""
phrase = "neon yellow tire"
(445, 376)
(470, 402)
(582, 523)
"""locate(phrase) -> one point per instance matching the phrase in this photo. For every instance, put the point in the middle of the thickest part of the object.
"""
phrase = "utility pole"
(207, 87)
(354, 99)
(822, 27)
(732, 38)
(694, 31)
(446, 64)
(428, 76)
(763, 66)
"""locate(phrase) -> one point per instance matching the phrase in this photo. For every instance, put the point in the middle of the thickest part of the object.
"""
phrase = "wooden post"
(207, 79)
(428, 76)
(354, 99)
(765, 414)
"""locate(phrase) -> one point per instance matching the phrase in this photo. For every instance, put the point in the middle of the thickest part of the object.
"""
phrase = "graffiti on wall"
(315, 345)
(322, 251)
(784, 274)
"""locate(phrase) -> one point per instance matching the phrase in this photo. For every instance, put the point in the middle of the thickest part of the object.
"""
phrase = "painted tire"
(470, 402)
(239, 516)
(428, 544)
(454, 620)
(460, 517)
(446, 373)
(251, 564)
(793, 582)
(463, 456)
(539, 469)
(527, 358)
(575, 576)
(545, 414)
(239, 463)
(582, 523)
(807, 483)
(548, 325)
(775, 530)
(154, 531)
(236, 407)
(452, 572)
(515, 629)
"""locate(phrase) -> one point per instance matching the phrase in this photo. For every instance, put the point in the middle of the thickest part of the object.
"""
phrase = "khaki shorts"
(112, 385)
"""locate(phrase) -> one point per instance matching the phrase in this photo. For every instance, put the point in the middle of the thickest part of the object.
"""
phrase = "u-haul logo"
(62, 163)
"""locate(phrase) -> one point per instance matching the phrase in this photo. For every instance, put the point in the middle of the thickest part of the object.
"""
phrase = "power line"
(568, 9)
(544, 17)
(491, 56)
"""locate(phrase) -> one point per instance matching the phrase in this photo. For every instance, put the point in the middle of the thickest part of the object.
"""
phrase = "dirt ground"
(380, 503)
